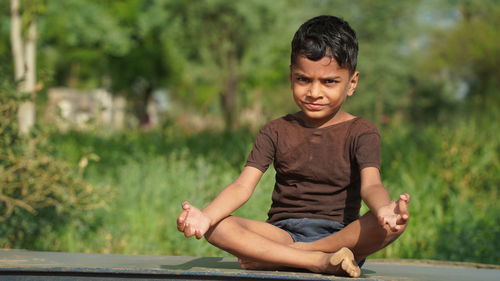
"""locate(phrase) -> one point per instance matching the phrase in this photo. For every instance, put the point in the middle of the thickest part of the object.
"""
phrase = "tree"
(466, 55)
(24, 55)
(218, 40)
(115, 45)
(210, 53)
(146, 66)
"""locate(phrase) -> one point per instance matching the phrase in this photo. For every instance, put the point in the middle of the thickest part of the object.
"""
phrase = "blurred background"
(114, 112)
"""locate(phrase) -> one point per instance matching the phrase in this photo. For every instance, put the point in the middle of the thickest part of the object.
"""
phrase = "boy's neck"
(336, 118)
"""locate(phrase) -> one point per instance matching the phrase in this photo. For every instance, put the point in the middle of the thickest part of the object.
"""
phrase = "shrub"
(38, 194)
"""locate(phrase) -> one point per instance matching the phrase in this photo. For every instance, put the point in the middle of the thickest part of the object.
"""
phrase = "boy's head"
(326, 36)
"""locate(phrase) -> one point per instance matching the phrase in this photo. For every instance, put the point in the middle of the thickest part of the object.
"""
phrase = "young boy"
(326, 162)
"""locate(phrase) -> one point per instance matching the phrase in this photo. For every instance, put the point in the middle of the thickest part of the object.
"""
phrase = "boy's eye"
(331, 81)
(302, 79)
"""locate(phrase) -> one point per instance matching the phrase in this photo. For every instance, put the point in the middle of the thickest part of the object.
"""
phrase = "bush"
(38, 194)
(450, 172)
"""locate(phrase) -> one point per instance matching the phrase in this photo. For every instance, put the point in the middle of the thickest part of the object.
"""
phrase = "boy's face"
(320, 88)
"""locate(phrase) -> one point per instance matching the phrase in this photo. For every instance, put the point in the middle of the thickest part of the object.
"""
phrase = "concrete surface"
(29, 265)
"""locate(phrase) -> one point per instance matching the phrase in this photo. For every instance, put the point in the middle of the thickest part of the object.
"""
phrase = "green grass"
(453, 176)
(451, 172)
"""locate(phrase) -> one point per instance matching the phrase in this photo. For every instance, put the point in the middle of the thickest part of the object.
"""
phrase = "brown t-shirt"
(317, 169)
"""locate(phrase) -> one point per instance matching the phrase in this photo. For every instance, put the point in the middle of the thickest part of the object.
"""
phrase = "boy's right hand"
(192, 221)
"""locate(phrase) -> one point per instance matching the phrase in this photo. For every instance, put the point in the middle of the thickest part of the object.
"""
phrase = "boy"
(326, 162)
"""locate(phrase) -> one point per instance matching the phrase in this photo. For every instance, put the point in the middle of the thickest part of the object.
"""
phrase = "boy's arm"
(234, 195)
(393, 213)
(373, 191)
(193, 221)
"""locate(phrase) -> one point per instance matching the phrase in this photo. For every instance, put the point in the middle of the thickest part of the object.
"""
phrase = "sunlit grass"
(451, 173)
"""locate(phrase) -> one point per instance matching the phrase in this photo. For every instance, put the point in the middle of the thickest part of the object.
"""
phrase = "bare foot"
(342, 262)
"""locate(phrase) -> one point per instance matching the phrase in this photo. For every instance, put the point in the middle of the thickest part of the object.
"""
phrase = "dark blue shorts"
(308, 230)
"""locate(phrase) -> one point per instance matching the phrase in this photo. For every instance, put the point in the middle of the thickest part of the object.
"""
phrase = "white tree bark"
(24, 66)
(16, 40)
(30, 58)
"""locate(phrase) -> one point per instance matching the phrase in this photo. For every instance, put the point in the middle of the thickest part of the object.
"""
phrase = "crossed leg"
(363, 236)
(270, 247)
(259, 245)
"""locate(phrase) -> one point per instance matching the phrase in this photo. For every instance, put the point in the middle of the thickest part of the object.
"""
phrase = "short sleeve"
(367, 147)
(263, 151)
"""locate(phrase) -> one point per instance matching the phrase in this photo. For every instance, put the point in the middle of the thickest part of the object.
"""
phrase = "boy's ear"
(353, 83)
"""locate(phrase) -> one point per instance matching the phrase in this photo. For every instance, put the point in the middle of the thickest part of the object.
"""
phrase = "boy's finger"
(198, 234)
(182, 217)
(181, 220)
(181, 227)
(188, 231)
(405, 197)
(403, 212)
(381, 220)
(391, 223)
(403, 207)
(186, 205)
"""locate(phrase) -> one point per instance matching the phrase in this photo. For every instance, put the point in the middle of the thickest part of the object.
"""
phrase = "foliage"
(222, 44)
(467, 54)
(416, 57)
(451, 173)
(78, 36)
(144, 169)
(120, 46)
(38, 194)
(429, 76)
(453, 206)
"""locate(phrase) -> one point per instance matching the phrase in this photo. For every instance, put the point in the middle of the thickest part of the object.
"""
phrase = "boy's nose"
(314, 90)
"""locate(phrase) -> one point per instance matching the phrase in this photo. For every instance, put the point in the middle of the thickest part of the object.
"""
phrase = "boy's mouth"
(313, 106)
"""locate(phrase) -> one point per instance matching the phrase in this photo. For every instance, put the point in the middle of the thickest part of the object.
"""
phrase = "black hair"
(326, 36)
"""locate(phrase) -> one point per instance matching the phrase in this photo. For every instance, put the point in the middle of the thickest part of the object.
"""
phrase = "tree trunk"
(379, 110)
(229, 102)
(24, 66)
(229, 96)
(16, 41)
(143, 114)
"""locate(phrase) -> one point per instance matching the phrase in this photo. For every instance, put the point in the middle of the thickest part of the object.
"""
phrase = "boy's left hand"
(395, 214)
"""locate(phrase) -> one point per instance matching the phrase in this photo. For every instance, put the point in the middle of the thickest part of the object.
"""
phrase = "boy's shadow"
(221, 264)
(204, 262)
